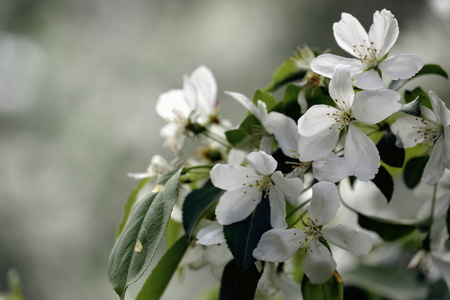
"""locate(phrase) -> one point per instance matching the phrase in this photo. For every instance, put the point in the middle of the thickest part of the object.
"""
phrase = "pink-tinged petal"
(349, 33)
(368, 80)
(331, 168)
(324, 204)
(341, 87)
(206, 86)
(401, 66)
(439, 108)
(384, 31)
(291, 187)
(375, 106)
(361, 154)
(262, 162)
(231, 177)
(406, 130)
(317, 119)
(435, 166)
(349, 239)
(285, 131)
(326, 63)
(211, 235)
(172, 104)
(277, 208)
(278, 245)
(317, 146)
(318, 264)
(237, 205)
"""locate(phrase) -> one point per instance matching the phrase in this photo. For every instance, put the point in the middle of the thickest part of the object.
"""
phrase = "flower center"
(341, 119)
(367, 53)
(430, 131)
(261, 183)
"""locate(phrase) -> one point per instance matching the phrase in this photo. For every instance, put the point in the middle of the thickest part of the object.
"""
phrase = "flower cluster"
(269, 190)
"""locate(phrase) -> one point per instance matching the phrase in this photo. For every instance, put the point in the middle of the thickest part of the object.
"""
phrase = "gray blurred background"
(79, 80)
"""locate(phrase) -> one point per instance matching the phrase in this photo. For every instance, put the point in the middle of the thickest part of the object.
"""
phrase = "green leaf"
(333, 289)
(248, 127)
(287, 72)
(414, 170)
(265, 97)
(383, 180)
(236, 285)
(142, 234)
(289, 105)
(389, 152)
(243, 237)
(158, 280)
(197, 203)
(174, 231)
(387, 230)
(131, 200)
(418, 92)
(428, 69)
(319, 96)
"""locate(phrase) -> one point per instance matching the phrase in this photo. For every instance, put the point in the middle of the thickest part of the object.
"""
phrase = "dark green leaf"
(383, 180)
(142, 234)
(426, 70)
(289, 105)
(414, 170)
(248, 127)
(158, 280)
(319, 96)
(131, 200)
(412, 108)
(197, 203)
(236, 285)
(418, 92)
(287, 72)
(387, 230)
(333, 289)
(243, 237)
(389, 152)
(265, 97)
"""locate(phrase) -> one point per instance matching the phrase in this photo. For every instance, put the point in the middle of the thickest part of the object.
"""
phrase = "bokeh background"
(79, 80)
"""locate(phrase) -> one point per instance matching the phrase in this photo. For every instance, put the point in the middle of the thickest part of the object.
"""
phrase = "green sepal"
(243, 237)
(333, 289)
(142, 234)
(130, 201)
(414, 170)
(389, 152)
(265, 97)
(197, 204)
(387, 230)
(383, 180)
(236, 285)
(160, 276)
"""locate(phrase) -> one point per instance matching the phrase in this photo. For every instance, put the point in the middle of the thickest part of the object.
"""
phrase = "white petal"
(384, 31)
(317, 119)
(285, 131)
(439, 108)
(277, 208)
(247, 103)
(206, 85)
(318, 264)
(375, 106)
(190, 93)
(401, 66)
(289, 288)
(266, 144)
(211, 235)
(324, 203)
(231, 177)
(262, 111)
(349, 239)
(368, 80)
(361, 154)
(326, 63)
(262, 162)
(317, 146)
(235, 206)
(171, 104)
(405, 129)
(291, 187)
(435, 166)
(278, 245)
(446, 138)
(331, 168)
(349, 32)
(341, 87)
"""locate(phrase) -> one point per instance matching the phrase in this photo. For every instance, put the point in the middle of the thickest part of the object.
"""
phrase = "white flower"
(320, 126)
(278, 245)
(194, 104)
(371, 51)
(158, 166)
(246, 186)
(433, 128)
(275, 283)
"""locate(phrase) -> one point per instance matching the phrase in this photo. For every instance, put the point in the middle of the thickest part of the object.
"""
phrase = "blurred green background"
(79, 80)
